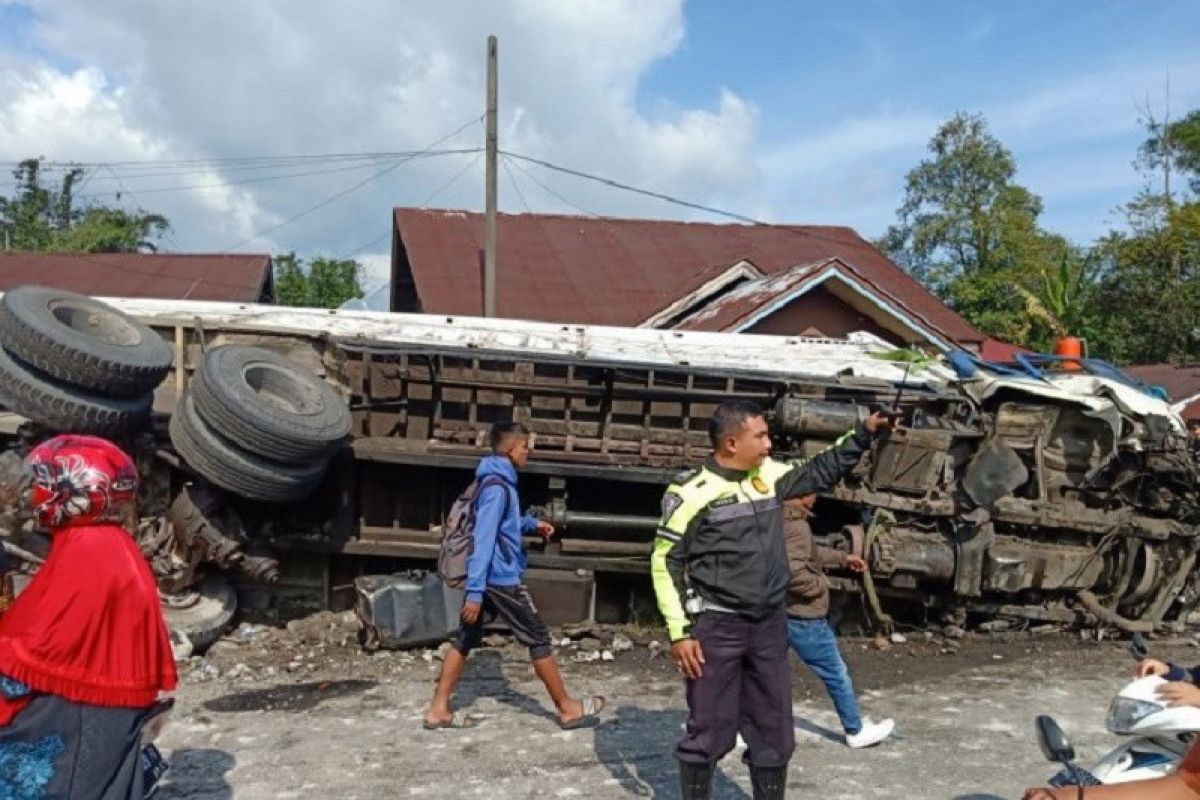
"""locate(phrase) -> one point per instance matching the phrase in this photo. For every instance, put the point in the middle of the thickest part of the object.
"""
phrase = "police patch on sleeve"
(670, 504)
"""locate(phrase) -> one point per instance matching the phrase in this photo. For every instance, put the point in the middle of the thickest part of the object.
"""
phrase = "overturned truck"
(341, 439)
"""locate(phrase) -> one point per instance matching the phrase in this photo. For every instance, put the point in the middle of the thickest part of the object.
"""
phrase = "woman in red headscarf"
(84, 651)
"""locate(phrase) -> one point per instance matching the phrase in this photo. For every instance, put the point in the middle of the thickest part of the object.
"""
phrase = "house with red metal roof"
(170, 276)
(773, 279)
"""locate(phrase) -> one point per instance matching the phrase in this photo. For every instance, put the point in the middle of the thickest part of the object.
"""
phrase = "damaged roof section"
(744, 306)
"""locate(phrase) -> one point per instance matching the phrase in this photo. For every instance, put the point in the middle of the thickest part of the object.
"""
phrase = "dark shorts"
(514, 606)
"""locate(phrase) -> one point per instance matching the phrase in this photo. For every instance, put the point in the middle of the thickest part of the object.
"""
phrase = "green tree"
(291, 284)
(970, 232)
(1173, 147)
(1063, 300)
(325, 283)
(1149, 293)
(46, 218)
(1149, 297)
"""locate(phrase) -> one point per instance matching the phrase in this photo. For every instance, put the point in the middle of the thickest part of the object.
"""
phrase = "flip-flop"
(592, 706)
(457, 720)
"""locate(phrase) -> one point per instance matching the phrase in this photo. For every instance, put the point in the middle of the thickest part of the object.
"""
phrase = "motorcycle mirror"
(1053, 741)
(1138, 648)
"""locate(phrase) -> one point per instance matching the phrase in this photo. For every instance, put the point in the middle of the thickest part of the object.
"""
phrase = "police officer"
(720, 573)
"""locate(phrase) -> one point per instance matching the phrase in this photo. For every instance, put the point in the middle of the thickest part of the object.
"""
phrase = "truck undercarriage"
(1057, 497)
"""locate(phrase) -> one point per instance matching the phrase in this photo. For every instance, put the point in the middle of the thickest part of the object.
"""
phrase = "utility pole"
(489, 236)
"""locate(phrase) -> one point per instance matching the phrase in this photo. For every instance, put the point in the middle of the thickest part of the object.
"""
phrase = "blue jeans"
(816, 644)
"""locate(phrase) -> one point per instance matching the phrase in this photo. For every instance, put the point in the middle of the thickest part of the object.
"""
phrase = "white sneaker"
(871, 733)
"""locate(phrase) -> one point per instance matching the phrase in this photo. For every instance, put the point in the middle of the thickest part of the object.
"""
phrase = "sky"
(797, 112)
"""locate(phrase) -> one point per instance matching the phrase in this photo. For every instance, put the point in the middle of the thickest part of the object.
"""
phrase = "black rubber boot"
(695, 780)
(770, 783)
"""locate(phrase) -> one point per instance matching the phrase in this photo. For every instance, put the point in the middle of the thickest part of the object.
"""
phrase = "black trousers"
(746, 687)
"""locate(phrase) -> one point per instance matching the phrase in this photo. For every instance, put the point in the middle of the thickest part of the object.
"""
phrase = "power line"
(598, 217)
(267, 178)
(358, 185)
(138, 205)
(361, 248)
(378, 154)
(555, 194)
(635, 189)
(512, 178)
(427, 201)
(332, 198)
(180, 170)
(452, 180)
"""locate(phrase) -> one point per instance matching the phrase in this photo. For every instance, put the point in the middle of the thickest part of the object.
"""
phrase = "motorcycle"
(1158, 735)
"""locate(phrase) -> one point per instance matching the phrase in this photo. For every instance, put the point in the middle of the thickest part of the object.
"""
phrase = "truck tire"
(225, 464)
(36, 396)
(82, 341)
(202, 614)
(270, 405)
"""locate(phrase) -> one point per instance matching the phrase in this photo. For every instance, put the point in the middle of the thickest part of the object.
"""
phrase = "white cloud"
(129, 80)
(228, 79)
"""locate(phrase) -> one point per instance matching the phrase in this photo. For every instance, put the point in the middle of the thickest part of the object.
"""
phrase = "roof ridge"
(793, 226)
(75, 254)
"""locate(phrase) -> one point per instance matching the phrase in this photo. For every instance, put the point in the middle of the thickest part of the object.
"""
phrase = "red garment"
(88, 627)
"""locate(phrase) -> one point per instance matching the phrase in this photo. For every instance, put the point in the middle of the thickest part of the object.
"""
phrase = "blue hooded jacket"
(497, 558)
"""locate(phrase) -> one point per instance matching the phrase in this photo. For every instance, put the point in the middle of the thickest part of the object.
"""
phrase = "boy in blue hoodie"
(495, 571)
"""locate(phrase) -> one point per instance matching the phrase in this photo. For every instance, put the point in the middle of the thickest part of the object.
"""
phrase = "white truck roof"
(774, 356)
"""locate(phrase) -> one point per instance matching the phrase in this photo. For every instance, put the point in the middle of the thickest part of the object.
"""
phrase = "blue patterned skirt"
(55, 748)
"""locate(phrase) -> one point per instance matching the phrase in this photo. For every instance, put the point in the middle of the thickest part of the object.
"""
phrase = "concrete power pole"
(489, 237)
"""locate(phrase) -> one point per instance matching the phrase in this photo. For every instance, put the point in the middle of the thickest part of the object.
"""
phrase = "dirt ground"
(300, 711)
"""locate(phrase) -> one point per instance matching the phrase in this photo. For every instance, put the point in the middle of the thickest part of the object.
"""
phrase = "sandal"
(457, 720)
(592, 706)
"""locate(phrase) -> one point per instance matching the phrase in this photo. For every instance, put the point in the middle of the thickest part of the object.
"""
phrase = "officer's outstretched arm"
(823, 471)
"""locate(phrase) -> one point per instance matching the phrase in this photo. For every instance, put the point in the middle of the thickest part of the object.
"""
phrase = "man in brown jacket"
(809, 632)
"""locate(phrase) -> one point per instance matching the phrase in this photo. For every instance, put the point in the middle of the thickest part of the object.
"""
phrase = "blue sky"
(888, 71)
(798, 112)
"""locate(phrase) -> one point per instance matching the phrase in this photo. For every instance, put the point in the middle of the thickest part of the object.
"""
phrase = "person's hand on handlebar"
(1180, 693)
(1151, 666)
